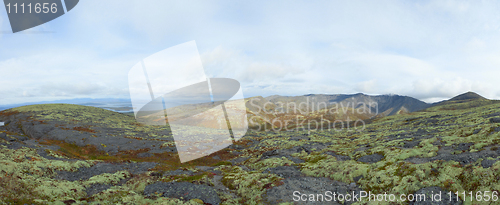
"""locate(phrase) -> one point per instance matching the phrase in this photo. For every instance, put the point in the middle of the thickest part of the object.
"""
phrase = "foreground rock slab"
(183, 190)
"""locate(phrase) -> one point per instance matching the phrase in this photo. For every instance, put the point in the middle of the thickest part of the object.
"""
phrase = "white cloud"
(439, 88)
(367, 86)
(451, 6)
(429, 50)
(267, 71)
(49, 75)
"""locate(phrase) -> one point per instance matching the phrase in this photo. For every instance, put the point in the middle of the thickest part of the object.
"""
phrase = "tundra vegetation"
(70, 154)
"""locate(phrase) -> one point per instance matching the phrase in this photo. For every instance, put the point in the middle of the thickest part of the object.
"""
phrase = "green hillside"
(76, 154)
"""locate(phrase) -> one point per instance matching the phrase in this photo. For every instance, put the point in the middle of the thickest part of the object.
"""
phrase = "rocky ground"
(70, 154)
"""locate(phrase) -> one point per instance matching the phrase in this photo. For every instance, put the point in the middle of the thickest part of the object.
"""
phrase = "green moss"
(223, 163)
(28, 177)
(270, 163)
(250, 185)
(316, 159)
(108, 178)
(339, 170)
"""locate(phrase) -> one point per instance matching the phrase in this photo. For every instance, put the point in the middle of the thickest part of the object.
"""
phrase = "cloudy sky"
(429, 50)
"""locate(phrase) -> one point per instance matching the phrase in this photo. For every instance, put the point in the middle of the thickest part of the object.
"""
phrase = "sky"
(430, 50)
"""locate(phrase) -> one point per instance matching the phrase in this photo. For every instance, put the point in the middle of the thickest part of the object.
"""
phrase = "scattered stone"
(97, 188)
(238, 160)
(204, 168)
(339, 157)
(68, 202)
(144, 154)
(496, 129)
(311, 147)
(6, 138)
(463, 158)
(284, 171)
(411, 144)
(20, 138)
(439, 143)
(362, 147)
(432, 121)
(283, 153)
(492, 115)
(371, 158)
(156, 174)
(487, 163)
(268, 154)
(298, 138)
(356, 179)
(412, 119)
(15, 145)
(85, 173)
(434, 172)
(295, 160)
(219, 186)
(495, 120)
(178, 172)
(236, 147)
(183, 190)
(28, 130)
(463, 146)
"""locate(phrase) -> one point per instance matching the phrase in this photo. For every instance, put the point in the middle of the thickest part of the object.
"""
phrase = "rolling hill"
(283, 112)
(321, 111)
(73, 154)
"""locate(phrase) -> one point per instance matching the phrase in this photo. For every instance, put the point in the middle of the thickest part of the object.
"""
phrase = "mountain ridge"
(76, 151)
(276, 110)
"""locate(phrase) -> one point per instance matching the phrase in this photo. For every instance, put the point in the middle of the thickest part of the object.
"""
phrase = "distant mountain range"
(113, 104)
(289, 112)
(323, 110)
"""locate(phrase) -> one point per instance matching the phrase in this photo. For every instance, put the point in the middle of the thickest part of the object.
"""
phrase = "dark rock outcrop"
(371, 158)
(184, 190)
